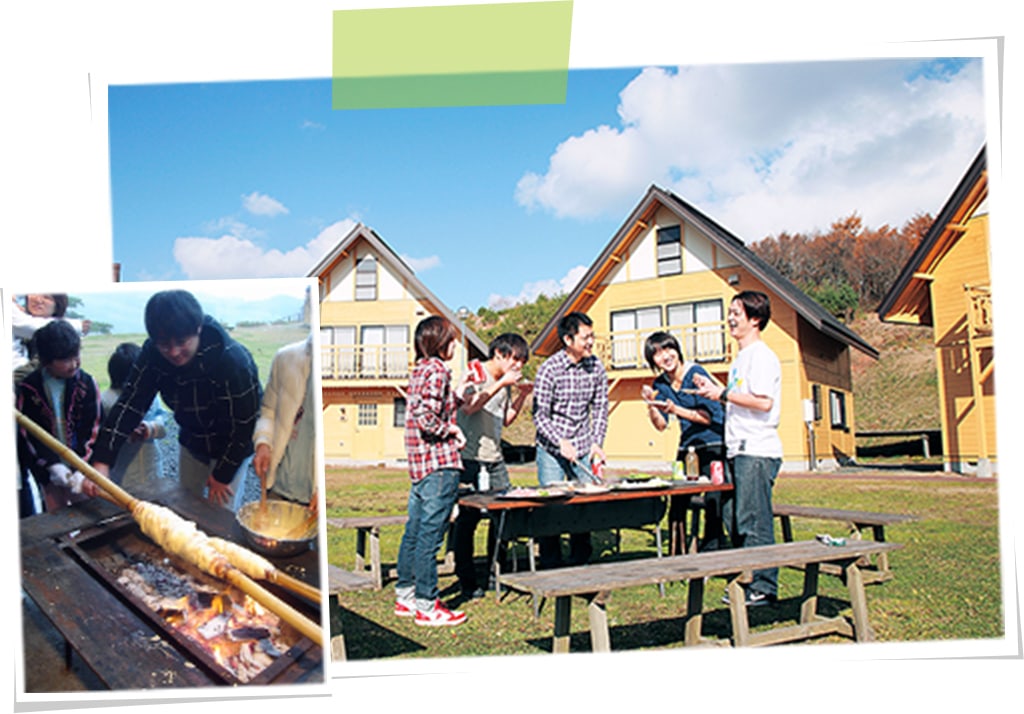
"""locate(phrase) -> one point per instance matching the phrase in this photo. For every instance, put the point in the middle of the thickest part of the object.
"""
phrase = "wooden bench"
(595, 583)
(367, 530)
(341, 581)
(857, 522)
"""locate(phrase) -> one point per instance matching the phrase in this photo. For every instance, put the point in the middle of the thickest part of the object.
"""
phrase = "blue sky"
(491, 205)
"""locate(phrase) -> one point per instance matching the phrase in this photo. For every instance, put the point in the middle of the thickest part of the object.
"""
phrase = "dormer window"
(366, 278)
(670, 251)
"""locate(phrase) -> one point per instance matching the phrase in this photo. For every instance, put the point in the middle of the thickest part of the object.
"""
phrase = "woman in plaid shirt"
(433, 441)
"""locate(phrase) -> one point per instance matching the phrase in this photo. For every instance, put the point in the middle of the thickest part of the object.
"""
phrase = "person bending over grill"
(211, 384)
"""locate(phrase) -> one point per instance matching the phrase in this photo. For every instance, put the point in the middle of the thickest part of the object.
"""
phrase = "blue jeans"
(430, 504)
(550, 469)
(749, 511)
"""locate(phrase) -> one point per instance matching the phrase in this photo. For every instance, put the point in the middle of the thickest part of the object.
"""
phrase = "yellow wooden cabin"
(946, 285)
(370, 304)
(670, 267)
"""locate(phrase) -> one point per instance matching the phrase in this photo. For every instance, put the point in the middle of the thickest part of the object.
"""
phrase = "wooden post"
(563, 615)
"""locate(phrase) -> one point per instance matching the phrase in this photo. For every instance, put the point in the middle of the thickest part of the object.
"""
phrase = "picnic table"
(612, 509)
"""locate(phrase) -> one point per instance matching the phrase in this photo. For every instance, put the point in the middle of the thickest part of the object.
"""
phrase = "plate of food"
(543, 492)
(638, 477)
(589, 489)
(634, 485)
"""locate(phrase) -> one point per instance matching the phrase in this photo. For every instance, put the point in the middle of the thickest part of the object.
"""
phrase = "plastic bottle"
(692, 464)
(483, 479)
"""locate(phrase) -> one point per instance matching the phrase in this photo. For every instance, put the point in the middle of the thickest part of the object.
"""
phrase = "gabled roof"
(385, 254)
(586, 291)
(910, 296)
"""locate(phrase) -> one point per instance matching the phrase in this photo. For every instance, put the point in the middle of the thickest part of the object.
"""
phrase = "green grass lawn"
(262, 341)
(947, 584)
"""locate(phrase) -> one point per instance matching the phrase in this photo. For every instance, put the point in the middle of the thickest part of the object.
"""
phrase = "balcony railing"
(392, 361)
(701, 342)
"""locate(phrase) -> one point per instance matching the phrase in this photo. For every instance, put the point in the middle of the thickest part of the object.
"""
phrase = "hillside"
(900, 389)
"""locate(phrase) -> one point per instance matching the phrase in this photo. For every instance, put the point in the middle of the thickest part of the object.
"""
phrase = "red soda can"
(717, 472)
(597, 468)
(476, 371)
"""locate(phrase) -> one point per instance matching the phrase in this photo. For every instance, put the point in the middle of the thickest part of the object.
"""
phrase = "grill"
(73, 562)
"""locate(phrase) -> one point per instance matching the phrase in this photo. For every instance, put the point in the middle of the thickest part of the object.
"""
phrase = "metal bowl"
(265, 531)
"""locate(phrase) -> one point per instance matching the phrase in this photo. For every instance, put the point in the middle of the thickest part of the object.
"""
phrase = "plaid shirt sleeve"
(600, 405)
(430, 413)
(543, 401)
(242, 395)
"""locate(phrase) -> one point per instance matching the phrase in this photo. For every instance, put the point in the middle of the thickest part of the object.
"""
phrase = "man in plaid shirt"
(208, 380)
(570, 411)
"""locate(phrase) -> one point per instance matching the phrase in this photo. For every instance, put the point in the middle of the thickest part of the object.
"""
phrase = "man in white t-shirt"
(753, 446)
(487, 409)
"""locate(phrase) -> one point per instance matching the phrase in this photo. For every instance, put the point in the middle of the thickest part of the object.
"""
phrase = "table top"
(496, 502)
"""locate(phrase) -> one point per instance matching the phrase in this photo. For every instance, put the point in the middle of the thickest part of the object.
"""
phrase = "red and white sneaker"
(440, 616)
(403, 610)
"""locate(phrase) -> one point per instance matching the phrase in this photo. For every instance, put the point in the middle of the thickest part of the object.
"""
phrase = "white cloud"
(765, 148)
(531, 291)
(260, 204)
(420, 265)
(232, 257)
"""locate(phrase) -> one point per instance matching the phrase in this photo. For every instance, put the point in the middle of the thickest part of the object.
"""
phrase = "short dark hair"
(119, 366)
(757, 306)
(508, 344)
(56, 340)
(173, 314)
(433, 334)
(569, 325)
(60, 304)
(657, 341)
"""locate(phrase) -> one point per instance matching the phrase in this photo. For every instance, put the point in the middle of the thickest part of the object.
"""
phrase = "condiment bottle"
(692, 464)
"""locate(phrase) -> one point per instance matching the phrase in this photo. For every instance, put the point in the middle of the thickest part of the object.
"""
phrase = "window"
(816, 398)
(670, 251)
(399, 413)
(837, 407)
(700, 329)
(366, 278)
(338, 351)
(629, 330)
(385, 350)
(367, 415)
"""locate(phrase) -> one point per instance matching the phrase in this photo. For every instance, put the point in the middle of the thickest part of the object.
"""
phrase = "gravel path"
(168, 448)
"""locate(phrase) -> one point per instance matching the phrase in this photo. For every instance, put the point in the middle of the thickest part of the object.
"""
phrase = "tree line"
(848, 268)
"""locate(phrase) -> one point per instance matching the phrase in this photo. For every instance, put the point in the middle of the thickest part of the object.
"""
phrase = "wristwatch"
(724, 396)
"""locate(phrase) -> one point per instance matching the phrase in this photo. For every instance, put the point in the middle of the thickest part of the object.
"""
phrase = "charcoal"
(248, 633)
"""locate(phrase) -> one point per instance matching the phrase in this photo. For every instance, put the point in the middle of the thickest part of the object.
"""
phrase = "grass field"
(956, 535)
(261, 340)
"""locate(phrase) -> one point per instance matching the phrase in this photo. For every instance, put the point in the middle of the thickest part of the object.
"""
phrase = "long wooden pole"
(122, 498)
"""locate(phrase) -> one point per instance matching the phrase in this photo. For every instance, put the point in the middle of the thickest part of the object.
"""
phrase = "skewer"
(117, 495)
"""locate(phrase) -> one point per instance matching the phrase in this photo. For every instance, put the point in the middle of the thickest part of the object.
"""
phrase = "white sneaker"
(439, 616)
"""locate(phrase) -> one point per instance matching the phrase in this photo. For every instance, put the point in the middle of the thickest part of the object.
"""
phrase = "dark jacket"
(81, 407)
(215, 399)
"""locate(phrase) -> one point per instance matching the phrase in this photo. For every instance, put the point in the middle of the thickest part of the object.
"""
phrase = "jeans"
(193, 473)
(550, 469)
(430, 504)
(468, 519)
(749, 511)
